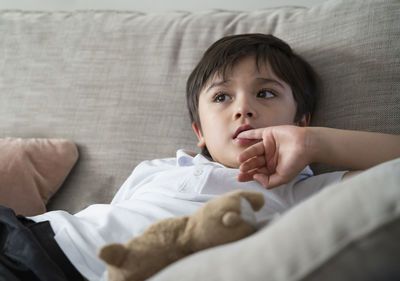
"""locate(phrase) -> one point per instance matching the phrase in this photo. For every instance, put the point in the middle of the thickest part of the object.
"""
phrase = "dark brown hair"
(226, 52)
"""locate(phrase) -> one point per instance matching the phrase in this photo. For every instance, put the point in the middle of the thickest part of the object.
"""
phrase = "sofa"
(87, 95)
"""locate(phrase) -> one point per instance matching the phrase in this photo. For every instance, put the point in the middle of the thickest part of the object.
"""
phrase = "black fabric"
(29, 251)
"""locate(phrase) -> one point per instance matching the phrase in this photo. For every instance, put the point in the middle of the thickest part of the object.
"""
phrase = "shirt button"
(198, 172)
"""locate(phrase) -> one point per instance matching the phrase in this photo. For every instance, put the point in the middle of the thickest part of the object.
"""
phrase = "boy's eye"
(266, 94)
(221, 97)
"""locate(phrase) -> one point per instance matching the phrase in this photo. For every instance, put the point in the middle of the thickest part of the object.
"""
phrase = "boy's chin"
(229, 159)
(230, 163)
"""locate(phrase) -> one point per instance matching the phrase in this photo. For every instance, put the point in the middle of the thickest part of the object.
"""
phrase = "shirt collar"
(188, 158)
(184, 158)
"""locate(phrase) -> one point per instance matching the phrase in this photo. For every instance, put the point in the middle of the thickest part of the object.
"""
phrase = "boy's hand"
(280, 156)
(284, 151)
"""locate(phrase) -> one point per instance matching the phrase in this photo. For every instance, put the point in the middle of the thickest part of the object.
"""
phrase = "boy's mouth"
(242, 129)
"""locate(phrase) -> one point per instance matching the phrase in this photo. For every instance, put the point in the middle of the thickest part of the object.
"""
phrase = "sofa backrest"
(114, 82)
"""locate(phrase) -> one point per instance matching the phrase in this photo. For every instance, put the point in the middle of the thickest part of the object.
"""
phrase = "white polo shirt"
(159, 189)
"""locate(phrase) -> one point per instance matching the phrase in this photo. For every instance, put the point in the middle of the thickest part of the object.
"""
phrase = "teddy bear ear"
(231, 219)
(113, 254)
(256, 199)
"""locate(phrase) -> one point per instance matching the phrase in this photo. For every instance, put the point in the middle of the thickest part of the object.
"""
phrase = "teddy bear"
(224, 219)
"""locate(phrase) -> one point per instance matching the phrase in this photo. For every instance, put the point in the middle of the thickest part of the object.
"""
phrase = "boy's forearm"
(352, 149)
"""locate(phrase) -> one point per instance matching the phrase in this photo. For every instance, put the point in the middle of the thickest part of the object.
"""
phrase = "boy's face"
(249, 98)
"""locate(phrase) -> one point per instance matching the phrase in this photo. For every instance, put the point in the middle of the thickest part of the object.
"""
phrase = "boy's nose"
(244, 110)
(240, 114)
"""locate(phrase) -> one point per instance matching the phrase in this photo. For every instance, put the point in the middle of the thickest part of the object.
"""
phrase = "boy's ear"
(305, 120)
(199, 135)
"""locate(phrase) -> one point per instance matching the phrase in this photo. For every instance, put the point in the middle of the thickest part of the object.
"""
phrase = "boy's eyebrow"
(262, 79)
(269, 80)
(216, 84)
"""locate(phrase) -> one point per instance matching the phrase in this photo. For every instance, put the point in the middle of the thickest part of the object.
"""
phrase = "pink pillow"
(32, 170)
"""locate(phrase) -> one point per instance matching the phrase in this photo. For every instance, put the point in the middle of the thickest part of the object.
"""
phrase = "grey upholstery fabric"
(114, 82)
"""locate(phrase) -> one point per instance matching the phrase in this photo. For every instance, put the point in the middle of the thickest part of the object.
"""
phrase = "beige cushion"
(114, 82)
(32, 170)
(349, 231)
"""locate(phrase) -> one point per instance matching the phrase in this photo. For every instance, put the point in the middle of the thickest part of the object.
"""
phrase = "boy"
(257, 81)
(250, 100)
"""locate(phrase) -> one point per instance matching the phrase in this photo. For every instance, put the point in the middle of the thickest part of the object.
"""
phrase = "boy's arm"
(355, 150)
(285, 150)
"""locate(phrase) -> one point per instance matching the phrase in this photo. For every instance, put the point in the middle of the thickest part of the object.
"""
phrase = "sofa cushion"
(32, 170)
(114, 82)
(349, 231)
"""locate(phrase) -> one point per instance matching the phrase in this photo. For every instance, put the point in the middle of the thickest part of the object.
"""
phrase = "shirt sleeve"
(311, 185)
(143, 172)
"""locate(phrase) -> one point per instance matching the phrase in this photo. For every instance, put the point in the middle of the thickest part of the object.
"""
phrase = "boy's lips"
(242, 129)
(243, 141)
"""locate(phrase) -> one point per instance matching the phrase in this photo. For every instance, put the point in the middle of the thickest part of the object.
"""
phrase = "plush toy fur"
(222, 220)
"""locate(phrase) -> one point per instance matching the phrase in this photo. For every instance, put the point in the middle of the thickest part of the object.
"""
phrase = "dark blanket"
(30, 252)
